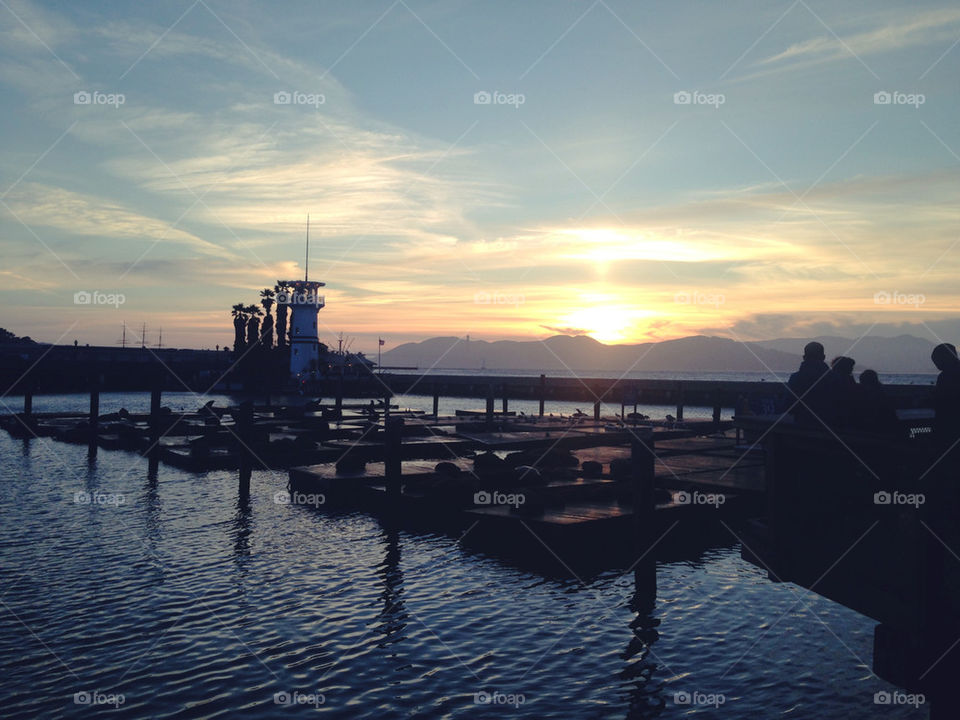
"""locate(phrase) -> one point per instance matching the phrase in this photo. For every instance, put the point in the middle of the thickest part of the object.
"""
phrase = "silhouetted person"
(807, 397)
(840, 390)
(873, 410)
(946, 396)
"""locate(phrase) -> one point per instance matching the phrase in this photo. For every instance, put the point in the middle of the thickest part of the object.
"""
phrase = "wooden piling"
(490, 401)
(543, 392)
(504, 404)
(596, 411)
(245, 436)
(642, 459)
(436, 404)
(155, 397)
(393, 440)
(28, 398)
(679, 402)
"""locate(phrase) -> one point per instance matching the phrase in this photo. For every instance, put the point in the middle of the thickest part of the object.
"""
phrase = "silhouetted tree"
(239, 326)
(266, 330)
(281, 290)
(253, 324)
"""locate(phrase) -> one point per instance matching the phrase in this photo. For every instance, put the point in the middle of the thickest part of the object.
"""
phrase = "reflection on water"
(172, 591)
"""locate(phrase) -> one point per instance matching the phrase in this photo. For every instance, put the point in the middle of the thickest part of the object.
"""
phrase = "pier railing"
(868, 522)
(716, 394)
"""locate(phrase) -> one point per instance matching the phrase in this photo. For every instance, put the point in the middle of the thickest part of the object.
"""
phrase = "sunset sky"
(642, 171)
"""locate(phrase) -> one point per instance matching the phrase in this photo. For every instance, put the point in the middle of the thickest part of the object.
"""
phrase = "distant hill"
(584, 353)
(904, 353)
(698, 353)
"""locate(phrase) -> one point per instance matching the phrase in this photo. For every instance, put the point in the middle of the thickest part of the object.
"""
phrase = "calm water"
(169, 594)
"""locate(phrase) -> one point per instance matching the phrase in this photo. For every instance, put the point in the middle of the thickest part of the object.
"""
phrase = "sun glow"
(605, 323)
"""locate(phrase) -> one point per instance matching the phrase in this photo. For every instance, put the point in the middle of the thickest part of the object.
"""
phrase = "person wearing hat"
(807, 391)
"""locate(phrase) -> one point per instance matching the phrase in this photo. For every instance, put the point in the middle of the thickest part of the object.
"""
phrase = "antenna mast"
(306, 264)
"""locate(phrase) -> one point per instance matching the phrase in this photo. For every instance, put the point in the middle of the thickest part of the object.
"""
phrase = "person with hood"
(808, 398)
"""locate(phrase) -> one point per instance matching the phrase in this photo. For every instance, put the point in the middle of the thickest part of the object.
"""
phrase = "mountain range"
(902, 354)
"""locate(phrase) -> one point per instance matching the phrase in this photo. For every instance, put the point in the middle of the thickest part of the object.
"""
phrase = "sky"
(505, 170)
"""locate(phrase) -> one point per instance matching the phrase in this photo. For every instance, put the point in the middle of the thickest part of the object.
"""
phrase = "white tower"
(304, 303)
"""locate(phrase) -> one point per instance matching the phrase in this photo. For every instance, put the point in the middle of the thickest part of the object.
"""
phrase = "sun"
(606, 324)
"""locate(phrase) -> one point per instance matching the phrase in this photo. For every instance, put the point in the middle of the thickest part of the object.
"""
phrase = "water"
(170, 592)
(886, 378)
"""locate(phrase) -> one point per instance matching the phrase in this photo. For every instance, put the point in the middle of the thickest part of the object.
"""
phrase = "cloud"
(916, 28)
(74, 213)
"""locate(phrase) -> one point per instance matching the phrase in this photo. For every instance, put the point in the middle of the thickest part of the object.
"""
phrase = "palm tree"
(266, 330)
(281, 290)
(253, 324)
(239, 324)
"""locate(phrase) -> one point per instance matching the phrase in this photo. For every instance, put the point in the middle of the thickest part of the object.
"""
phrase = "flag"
(382, 342)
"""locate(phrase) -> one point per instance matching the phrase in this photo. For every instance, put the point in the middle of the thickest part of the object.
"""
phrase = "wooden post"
(490, 400)
(716, 410)
(642, 457)
(386, 407)
(504, 403)
(28, 398)
(679, 402)
(94, 419)
(155, 394)
(543, 392)
(596, 411)
(436, 404)
(245, 435)
(393, 440)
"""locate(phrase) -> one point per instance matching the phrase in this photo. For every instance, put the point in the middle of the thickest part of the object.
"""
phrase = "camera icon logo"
(482, 498)
(82, 298)
(82, 97)
(481, 698)
(282, 98)
(82, 698)
(683, 498)
(682, 98)
(882, 98)
(281, 497)
(882, 697)
(481, 98)
(882, 498)
(881, 298)
(681, 698)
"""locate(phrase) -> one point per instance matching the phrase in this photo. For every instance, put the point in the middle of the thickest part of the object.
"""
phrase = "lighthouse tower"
(304, 302)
